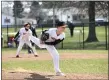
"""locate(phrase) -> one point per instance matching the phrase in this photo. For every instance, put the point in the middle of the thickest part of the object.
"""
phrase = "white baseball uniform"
(51, 49)
(25, 39)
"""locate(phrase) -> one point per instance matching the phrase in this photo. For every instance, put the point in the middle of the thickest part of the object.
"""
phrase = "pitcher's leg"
(52, 50)
(37, 42)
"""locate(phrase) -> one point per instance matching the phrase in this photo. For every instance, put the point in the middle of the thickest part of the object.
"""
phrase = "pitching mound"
(15, 75)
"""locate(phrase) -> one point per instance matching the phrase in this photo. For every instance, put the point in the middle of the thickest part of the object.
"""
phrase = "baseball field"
(76, 64)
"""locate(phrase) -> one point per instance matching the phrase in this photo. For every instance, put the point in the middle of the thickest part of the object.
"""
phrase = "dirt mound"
(14, 75)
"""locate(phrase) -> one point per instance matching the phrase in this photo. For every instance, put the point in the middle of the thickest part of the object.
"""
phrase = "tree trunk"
(108, 10)
(92, 32)
(15, 18)
(108, 27)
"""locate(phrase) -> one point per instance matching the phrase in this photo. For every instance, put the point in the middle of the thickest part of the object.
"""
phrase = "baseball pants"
(21, 43)
(51, 49)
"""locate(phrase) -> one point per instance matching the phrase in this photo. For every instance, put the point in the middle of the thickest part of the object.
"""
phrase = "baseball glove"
(44, 36)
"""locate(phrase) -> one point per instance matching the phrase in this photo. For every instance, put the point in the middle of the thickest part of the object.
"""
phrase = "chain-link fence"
(77, 41)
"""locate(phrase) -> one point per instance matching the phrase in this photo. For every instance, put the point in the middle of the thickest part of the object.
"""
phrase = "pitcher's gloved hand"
(44, 36)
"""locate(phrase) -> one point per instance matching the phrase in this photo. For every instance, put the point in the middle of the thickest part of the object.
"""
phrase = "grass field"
(75, 42)
(91, 62)
(90, 66)
(71, 65)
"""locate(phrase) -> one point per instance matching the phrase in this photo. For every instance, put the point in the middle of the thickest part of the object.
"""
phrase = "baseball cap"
(61, 24)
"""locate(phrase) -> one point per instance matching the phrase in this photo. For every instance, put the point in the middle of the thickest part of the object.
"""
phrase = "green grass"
(90, 66)
(74, 42)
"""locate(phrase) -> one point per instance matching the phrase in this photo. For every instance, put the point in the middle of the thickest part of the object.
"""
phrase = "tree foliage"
(17, 9)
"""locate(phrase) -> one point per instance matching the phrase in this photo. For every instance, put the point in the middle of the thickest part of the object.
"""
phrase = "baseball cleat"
(17, 56)
(60, 74)
(36, 55)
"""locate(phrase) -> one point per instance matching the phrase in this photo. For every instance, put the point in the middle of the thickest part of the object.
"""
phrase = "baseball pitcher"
(49, 38)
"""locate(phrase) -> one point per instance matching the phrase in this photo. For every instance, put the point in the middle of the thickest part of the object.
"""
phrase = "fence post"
(80, 33)
(7, 35)
(83, 35)
(62, 44)
(106, 35)
(41, 26)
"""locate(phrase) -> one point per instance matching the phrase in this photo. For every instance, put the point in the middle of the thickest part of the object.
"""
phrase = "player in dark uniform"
(71, 27)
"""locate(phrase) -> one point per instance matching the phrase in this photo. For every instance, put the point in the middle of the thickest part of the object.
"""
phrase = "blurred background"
(88, 21)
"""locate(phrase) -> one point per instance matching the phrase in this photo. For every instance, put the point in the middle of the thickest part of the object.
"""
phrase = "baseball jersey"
(53, 36)
(33, 33)
(25, 35)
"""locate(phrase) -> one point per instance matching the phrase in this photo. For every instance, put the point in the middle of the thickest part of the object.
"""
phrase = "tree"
(108, 10)
(36, 12)
(92, 33)
(17, 11)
